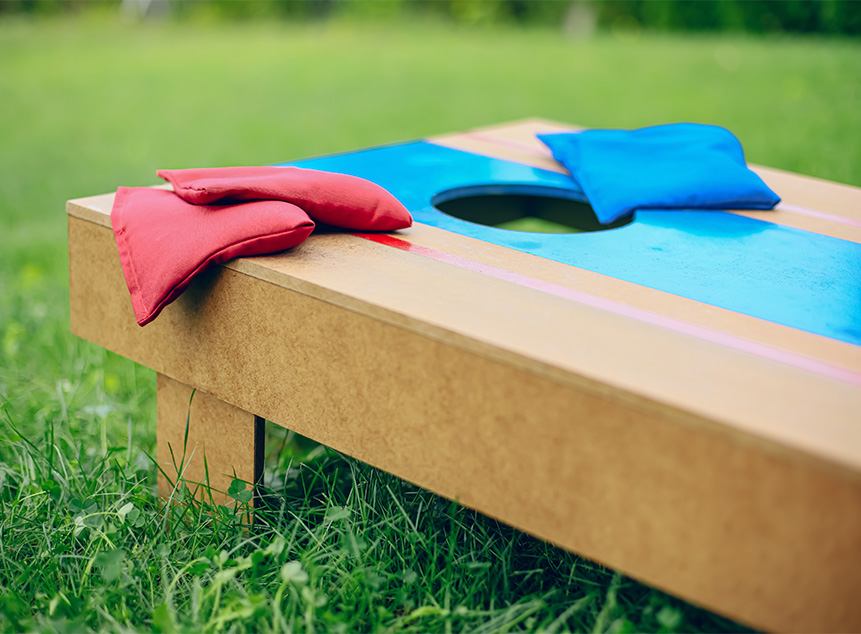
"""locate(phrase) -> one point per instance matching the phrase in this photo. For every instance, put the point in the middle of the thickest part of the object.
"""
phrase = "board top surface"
(790, 384)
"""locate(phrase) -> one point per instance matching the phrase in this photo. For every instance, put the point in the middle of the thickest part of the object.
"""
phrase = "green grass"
(90, 104)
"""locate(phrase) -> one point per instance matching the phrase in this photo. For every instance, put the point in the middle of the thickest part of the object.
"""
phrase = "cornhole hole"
(677, 395)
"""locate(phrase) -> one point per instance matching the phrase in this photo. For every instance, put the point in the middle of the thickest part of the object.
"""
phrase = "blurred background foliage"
(829, 17)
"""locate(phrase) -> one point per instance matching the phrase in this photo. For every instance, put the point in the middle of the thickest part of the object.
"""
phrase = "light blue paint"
(784, 275)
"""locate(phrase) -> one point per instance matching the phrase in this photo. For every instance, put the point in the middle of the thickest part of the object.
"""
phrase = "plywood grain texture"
(723, 477)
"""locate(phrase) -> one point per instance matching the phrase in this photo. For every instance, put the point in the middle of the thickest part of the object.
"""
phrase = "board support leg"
(230, 439)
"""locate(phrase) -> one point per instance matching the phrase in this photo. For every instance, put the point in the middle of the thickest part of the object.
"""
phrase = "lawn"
(91, 103)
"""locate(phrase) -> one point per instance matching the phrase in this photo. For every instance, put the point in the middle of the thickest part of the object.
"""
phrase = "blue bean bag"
(673, 166)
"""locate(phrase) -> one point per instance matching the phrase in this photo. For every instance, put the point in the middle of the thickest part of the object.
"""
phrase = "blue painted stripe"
(788, 276)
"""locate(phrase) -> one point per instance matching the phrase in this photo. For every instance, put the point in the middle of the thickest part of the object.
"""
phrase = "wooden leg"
(230, 439)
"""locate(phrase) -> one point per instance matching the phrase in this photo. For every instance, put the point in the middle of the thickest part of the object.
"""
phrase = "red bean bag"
(165, 241)
(340, 200)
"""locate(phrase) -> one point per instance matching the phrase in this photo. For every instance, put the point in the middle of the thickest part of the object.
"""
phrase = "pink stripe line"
(822, 215)
(645, 316)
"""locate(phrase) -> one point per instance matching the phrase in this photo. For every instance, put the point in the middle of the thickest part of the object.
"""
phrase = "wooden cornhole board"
(678, 398)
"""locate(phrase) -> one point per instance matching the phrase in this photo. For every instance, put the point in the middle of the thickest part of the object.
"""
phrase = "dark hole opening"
(526, 212)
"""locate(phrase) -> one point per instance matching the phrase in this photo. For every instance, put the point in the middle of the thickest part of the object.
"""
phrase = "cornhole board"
(678, 398)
